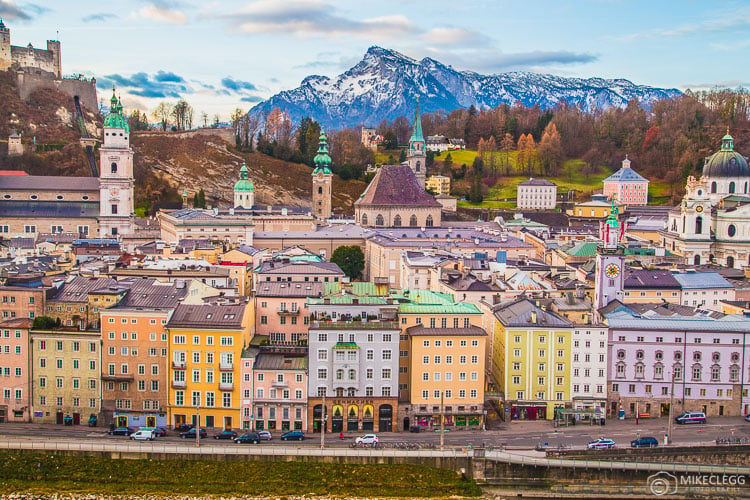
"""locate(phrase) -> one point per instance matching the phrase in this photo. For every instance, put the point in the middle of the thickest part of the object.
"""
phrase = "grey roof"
(651, 279)
(626, 319)
(518, 313)
(248, 249)
(48, 209)
(208, 316)
(78, 288)
(299, 267)
(537, 182)
(336, 231)
(280, 361)
(27, 243)
(625, 175)
(396, 185)
(48, 183)
(289, 289)
(195, 244)
(691, 280)
(470, 284)
(420, 330)
(153, 294)
(649, 309)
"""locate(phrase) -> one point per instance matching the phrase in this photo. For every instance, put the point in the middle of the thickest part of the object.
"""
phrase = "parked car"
(644, 442)
(691, 417)
(190, 434)
(250, 437)
(367, 440)
(265, 435)
(293, 436)
(92, 420)
(747, 417)
(143, 435)
(226, 435)
(158, 431)
(183, 427)
(121, 431)
(601, 443)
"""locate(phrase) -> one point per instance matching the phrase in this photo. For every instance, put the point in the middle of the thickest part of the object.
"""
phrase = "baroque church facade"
(712, 223)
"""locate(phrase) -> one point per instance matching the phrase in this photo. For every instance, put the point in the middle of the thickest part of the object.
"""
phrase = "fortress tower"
(5, 57)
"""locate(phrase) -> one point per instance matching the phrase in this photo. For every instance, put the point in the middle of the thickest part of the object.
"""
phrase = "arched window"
(746, 188)
(428, 222)
(413, 221)
(696, 260)
(731, 187)
(113, 166)
(698, 225)
(397, 221)
(364, 219)
(352, 375)
(379, 220)
(713, 187)
(730, 261)
(419, 166)
(320, 189)
(339, 374)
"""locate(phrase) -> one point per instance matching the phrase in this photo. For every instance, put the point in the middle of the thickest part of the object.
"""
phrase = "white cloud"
(160, 15)
(455, 37)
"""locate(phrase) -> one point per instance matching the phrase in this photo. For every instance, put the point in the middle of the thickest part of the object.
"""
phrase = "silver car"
(265, 435)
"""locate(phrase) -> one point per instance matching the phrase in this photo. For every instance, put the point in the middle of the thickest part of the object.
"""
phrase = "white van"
(143, 435)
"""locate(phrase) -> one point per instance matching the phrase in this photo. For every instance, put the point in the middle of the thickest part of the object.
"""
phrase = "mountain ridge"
(385, 84)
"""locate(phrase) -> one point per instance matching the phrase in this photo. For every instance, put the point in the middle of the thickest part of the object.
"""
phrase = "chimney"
(533, 317)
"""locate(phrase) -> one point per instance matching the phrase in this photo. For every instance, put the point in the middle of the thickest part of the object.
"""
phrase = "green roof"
(115, 119)
(244, 184)
(581, 249)
(347, 300)
(429, 302)
(416, 129)
(345, 345)
(322, 160)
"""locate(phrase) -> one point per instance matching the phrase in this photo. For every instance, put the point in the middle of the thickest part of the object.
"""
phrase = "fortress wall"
(84, 89)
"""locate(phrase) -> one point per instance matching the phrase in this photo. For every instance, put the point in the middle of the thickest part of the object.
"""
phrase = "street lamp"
(671, 404)
(197, 426)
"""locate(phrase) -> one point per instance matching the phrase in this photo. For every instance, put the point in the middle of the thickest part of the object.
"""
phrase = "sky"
(221, 55)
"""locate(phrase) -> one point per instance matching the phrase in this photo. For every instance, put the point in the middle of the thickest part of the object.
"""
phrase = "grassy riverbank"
(47, 473)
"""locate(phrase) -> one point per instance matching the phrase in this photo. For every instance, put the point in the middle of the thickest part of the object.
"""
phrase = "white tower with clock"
(610, 260)
(116, 174)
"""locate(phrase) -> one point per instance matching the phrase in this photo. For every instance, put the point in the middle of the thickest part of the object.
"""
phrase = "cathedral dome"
(244, 184)
(726, 162)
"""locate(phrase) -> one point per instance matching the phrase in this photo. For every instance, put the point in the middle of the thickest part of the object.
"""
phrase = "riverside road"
(517, 435)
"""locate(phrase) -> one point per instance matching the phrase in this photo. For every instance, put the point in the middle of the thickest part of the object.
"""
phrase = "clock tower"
(610, 260)
(116, 174)
(322, 180)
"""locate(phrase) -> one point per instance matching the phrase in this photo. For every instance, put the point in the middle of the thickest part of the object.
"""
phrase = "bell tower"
(610, 260)
(417, 156)
(322, 181)
(116, 178)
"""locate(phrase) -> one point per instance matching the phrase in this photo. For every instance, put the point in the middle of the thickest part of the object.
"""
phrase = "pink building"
(15, 379)
(280, 389)
(280, 309)
(626, 186)
(246, 387)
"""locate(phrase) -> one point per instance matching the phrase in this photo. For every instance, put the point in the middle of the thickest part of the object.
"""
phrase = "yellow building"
(595, 209)
(205, 347)
(439, 184)
(447, 376)
(433, 310)
(531, 359)
(65, 375)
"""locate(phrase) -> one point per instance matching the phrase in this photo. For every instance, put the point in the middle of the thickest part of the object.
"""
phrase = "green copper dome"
(322, 160)
(726, 162)
(115, 119)
(244, 184)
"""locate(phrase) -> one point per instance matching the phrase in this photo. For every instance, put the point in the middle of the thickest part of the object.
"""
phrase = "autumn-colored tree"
(550, 150)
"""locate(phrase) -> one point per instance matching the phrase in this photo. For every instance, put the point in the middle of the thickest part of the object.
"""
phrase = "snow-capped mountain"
(385, 85)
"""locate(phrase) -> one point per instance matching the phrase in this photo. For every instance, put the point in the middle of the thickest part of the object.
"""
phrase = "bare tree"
(204, 119)
(162, 114)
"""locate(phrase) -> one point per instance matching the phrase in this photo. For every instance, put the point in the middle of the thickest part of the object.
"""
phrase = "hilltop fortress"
(40, 68)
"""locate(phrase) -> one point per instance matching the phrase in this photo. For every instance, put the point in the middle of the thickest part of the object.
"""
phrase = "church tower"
(610, 260)
(322, 180)
(116, 177)
(244, 191)
(417, 156)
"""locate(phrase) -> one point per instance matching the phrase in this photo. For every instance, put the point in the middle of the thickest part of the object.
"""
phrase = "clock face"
(612, 271)
(699, 208)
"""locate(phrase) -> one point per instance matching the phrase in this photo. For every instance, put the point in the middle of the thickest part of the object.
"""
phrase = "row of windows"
(274, 393)
(385, 374)
(540, 396)
(59, 401)
(134, 321)
(18, 393)
(542, 339)
(587, 388)
(697, 372)
(340, 392)
(36, 197)
(5, 349)
(60, 382)
(542, 353)
(397, 222)
(697, 355)
(227, 358)
(140, 385)
(448, 394)
(75, 345)
(449, 360)
(199, 399)
(59, 363)
(436, 376)
(6, 371)
(516, 380)
(664, 390)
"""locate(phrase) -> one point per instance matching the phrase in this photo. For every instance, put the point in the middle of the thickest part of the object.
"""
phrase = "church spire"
(416, 129)
(322, 160)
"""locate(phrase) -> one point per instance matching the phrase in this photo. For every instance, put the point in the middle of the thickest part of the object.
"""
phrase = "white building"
(589, 367)
(538, 194)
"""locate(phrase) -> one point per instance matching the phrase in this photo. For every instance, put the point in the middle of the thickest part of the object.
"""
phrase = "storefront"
(528, 412)
(127, 419)
(352, 414)
(451, 421)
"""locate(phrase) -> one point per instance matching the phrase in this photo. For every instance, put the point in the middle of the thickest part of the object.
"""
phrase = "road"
(519, 435)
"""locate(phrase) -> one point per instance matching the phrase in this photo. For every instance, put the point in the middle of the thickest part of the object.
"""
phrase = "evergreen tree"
(402, 156)
(350, 259)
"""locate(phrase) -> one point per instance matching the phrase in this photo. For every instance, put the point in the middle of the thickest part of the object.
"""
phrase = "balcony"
(111, 377)
(181, 384)
(225, 366)
(226, 386)
(278, 384)
(287, 312)
(178, 365)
